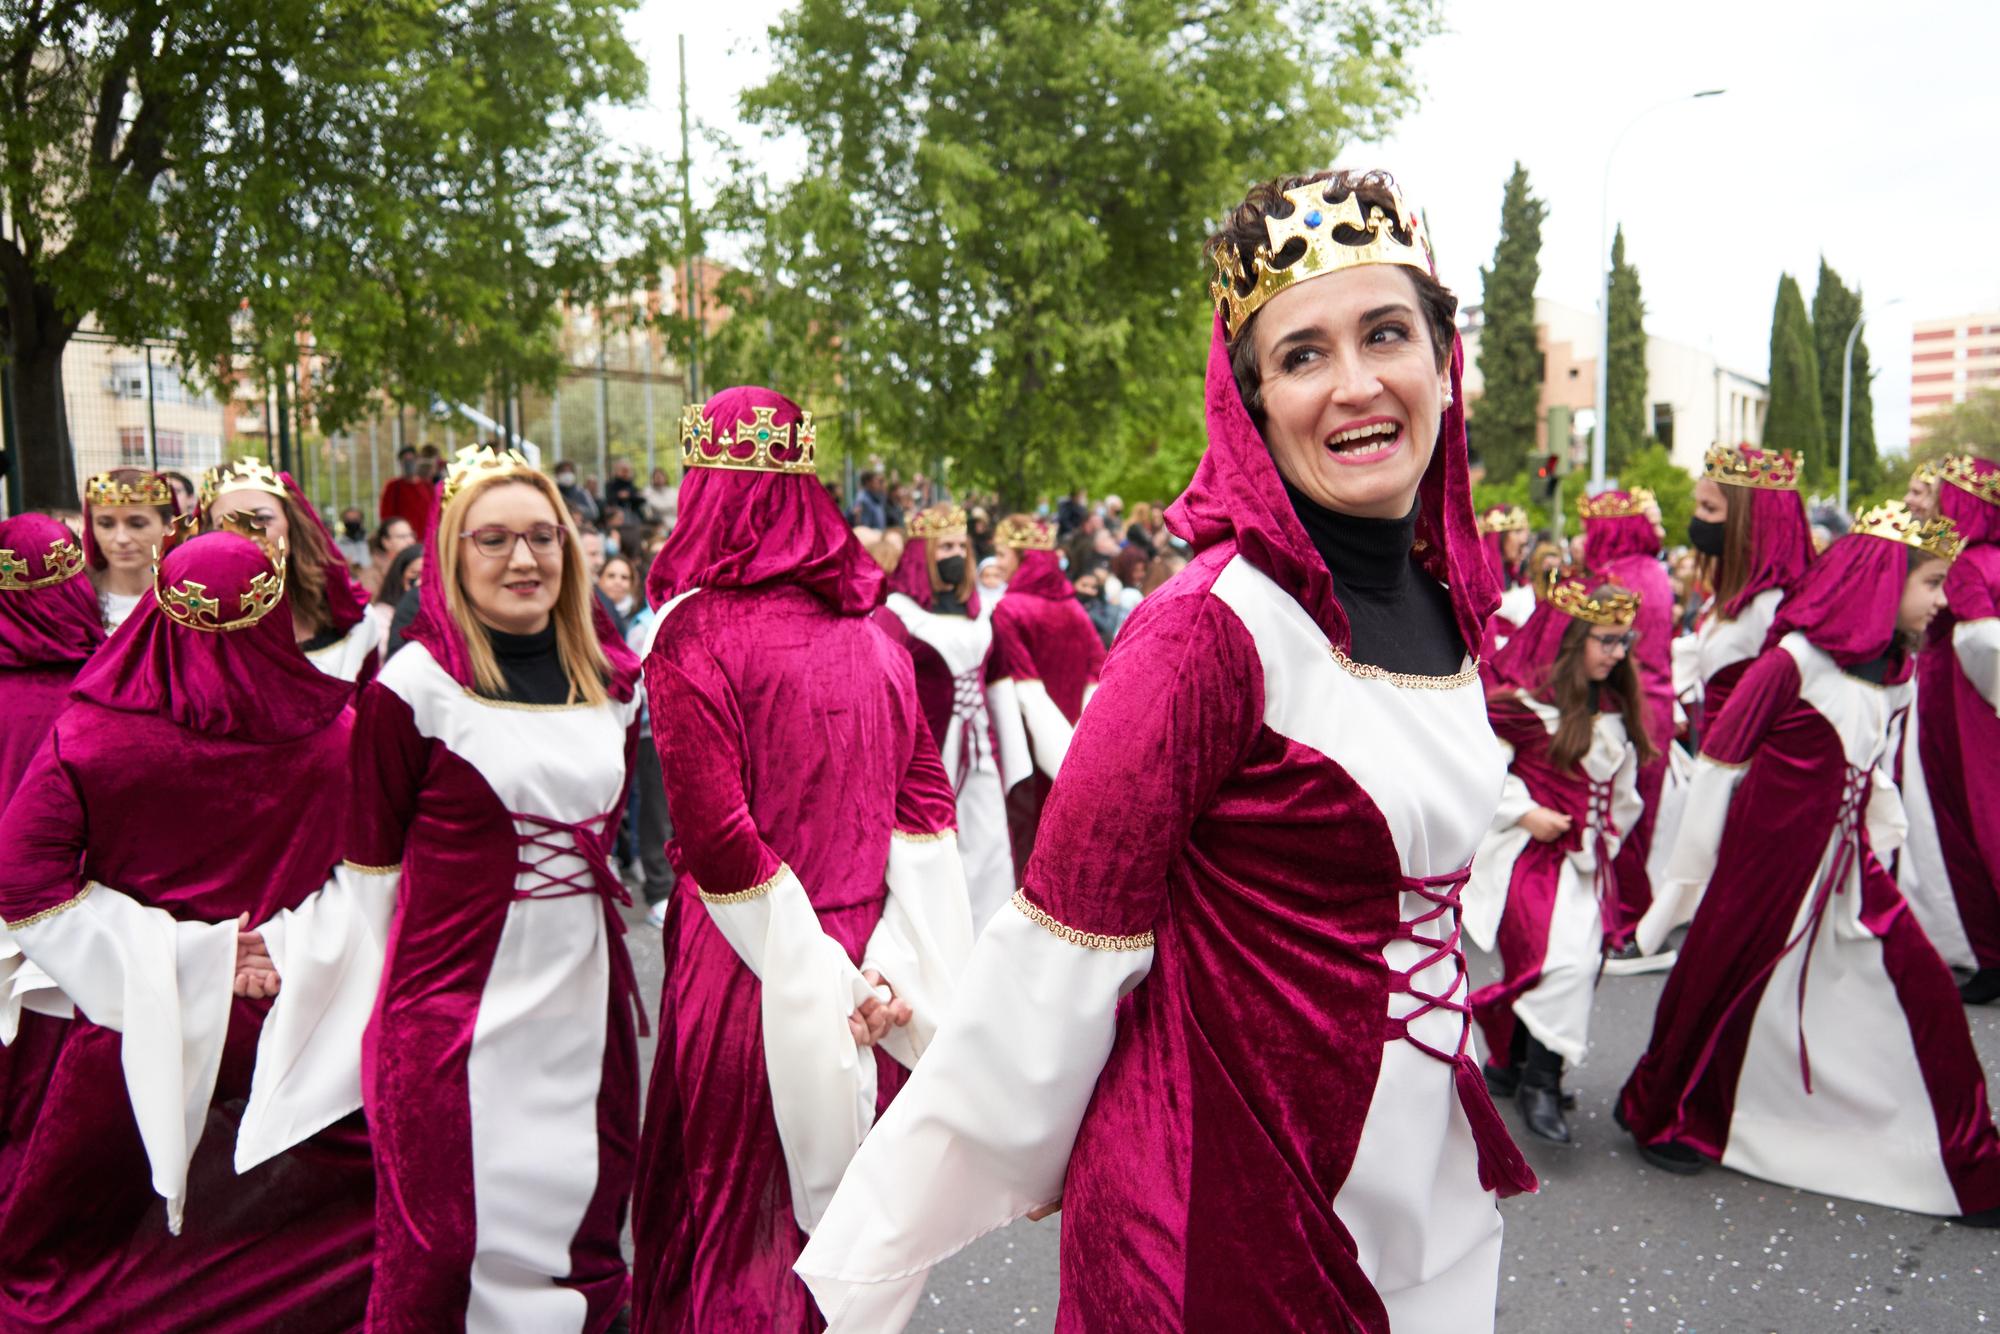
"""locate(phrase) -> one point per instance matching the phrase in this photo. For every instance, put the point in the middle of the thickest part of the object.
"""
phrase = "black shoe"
(1984, 1218)
(1982, 988)
(1503, 1080)
(1541, 1110)
(1671, 1156)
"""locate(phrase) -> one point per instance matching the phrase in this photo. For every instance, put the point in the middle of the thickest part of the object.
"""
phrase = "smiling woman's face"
(1351, 389)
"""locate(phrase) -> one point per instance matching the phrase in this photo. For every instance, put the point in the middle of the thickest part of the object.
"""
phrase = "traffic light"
(1548, 479)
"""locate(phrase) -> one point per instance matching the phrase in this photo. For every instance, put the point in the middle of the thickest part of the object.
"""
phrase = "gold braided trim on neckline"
(359, 869)
(905, 836)
(1403, 680)
(1090, 940)
(32, 919)
(756, 891)
(491, 702)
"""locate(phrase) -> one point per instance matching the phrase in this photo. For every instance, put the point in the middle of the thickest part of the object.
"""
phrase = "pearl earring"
(1447, 398)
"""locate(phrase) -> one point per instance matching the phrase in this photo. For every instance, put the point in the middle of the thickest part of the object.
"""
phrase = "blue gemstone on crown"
(1313, 218)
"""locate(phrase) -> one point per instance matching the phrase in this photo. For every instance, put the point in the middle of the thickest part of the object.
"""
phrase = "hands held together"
(1545, 825)
(873, 1018)
(256, 975)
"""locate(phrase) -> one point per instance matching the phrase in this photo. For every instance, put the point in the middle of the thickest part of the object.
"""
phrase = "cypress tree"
(1793, 419)
(1835, 309)
(1626, 427)
(1510, 362)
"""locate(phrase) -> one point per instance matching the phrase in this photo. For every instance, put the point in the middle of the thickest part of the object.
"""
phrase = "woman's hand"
(1545, 825)
(873, 1018)
(256, 975)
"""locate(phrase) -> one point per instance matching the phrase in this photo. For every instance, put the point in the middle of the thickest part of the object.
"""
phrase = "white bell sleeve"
(982, 1133)
(1977, 646)
(167, 985)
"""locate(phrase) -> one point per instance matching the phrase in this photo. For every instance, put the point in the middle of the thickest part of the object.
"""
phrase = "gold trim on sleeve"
(35, 919)
(1404, 680)
(359, 869)
(1090, 940)
(905, 836)
(757, 891)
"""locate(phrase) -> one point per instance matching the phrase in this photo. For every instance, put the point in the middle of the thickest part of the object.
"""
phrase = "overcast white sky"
(1869, 132)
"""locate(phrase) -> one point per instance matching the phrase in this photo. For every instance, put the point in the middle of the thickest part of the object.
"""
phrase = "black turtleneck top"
(1400, 618)
(531, 666)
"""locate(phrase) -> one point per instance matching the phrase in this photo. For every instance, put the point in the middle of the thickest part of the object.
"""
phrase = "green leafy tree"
(1792, 420)
(1835, 309)
(1652, 467)
(1971, 427)
(407, 187)
(1510, 360)
(993, 251)
(1625, 425)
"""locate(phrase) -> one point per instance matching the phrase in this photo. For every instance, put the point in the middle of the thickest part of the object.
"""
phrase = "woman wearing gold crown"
(1565, 700)
(934, 600)
(125, 516)
(474, 933)
(1958, 683)
(126, 892)
(1224, 1025)
(820, 920)
(1044, 668)
(50, 625)
(1750, 531)
(1809, 1010)
(1503, 535)
(329, 606)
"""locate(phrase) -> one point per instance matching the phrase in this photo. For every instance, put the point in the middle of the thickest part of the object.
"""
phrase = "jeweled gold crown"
(149, 489)
(476, 463)
(1314, 219)
(1572, 597)
(941, 520)
(707, 443)
(1615, 504)
(1024, 532)
(1962, 471)
(245, 474)
(1770, 469)
(1893, 522)
(1503, 519)
(63, 560)
(188, 603)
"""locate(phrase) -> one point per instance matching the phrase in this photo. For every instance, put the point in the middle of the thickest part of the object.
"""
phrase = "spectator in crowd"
(615, 581)
(384, 545)
(407, 495)
(897, 505)
(871, 504)
(1104, 617)
(352, 537)
(183, 489)
(396, 582)
(580, 502)
(979, 528)
(623, 491)
(1071, 512)
(652, 826)
(1112, 511)
(663, 500)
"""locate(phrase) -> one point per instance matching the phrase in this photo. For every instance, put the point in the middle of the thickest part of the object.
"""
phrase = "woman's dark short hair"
(1243, 233)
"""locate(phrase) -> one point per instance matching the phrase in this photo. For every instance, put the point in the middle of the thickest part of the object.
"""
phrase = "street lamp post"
(1846, 395)
(1604, 302)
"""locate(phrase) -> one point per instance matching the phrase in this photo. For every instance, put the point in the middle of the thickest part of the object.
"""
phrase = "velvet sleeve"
(389, 759)
(1009, 658)
(1767, 690)
(698, 732)
(1177, 712)
(41, 837)
(925, 803)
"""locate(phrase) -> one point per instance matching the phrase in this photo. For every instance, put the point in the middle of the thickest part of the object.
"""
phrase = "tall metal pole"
(1604, 296)
(693, 298)
(1846, 396)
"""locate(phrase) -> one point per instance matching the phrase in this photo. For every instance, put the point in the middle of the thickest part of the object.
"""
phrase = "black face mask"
(1705, 536)
(355, 532)
(951, 570)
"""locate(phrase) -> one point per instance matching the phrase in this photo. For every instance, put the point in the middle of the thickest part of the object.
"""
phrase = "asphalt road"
(1609, 1243)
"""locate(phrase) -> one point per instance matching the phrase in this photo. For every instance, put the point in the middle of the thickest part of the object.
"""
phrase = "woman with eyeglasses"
(329, 607)
(499, 1066)
(1565, 701)
(1810, 1035)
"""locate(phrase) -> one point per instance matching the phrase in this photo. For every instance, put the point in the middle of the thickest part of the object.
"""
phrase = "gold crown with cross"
(1024, 532)
(1963, 471)
(245, 474)
(127, 486)
(1892, 522)
(1571, 594)
(1615, 504)
(188, 603)
(1767, 469)
(1503, 519)
(478, 463)
(944, 519)
(63, 560)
